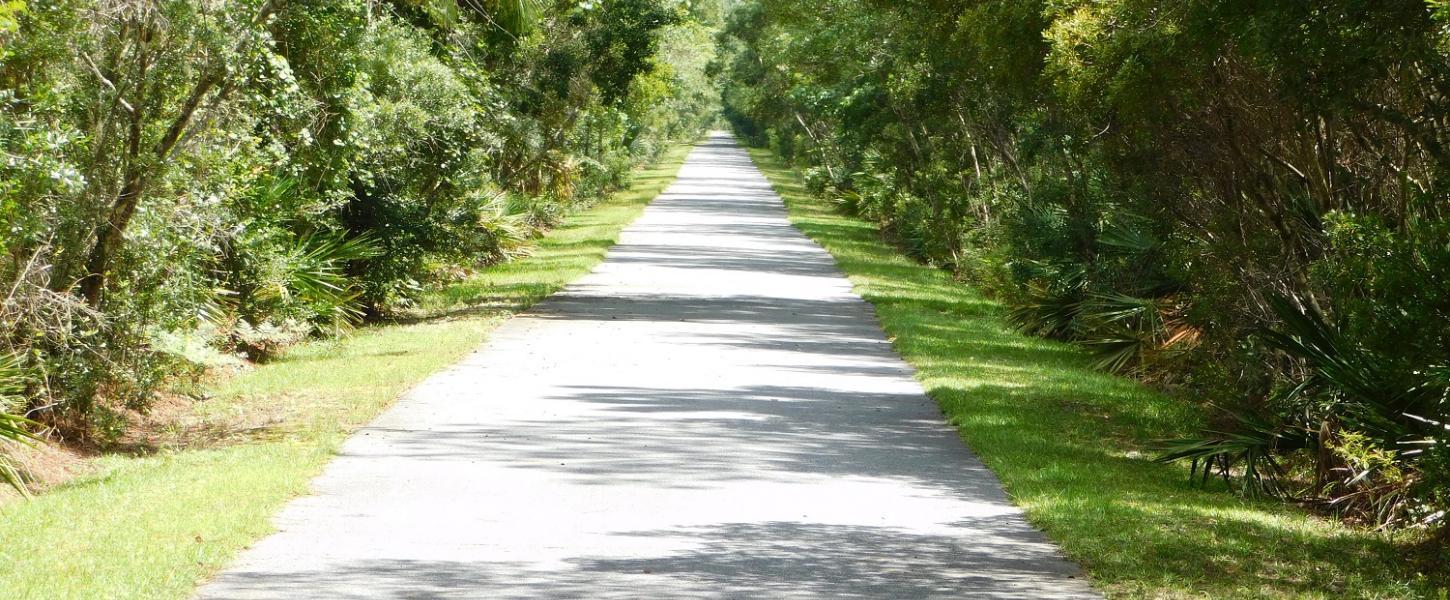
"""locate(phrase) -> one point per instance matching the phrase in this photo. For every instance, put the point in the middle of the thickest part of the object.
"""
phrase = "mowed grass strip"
(1073, 445)
(155, 526)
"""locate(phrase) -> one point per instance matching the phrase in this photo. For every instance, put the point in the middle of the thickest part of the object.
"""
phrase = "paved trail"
(710, 414)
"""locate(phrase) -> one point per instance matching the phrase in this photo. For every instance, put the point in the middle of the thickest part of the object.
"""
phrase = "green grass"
(154, 526)
(1071, 445)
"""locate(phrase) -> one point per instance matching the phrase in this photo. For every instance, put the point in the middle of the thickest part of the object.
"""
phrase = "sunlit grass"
(1072, 445)
(155, 526)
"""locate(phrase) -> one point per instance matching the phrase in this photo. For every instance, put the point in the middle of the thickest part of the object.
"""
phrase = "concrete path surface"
(710, 414)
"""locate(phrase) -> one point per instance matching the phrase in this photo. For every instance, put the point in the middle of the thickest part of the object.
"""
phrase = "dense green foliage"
(1242, 202)
(185, 180)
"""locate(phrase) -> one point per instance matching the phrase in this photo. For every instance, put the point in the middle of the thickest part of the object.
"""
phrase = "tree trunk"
(111, 233)
(108, 240)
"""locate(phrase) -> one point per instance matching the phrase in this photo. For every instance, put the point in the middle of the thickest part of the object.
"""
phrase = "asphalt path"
(711, 413)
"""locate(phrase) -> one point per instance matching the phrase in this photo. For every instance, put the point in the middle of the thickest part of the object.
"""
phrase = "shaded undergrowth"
(1073, 446)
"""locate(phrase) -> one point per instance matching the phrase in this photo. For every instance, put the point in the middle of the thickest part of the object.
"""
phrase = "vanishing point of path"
(712, 413)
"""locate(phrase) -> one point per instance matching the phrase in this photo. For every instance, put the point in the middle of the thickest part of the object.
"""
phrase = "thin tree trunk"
(111, 233)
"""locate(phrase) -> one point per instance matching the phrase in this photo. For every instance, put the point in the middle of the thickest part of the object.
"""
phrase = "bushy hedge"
(1245, 203)
(255, 172)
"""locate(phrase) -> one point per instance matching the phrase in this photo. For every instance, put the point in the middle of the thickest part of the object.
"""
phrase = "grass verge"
(154, 526)
(1070, 444)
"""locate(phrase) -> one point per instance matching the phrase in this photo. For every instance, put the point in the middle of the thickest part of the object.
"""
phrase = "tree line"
(240, 175)
(1242, 203)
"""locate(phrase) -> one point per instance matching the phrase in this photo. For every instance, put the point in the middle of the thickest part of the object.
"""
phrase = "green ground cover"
(1073, 446)
(153, 525)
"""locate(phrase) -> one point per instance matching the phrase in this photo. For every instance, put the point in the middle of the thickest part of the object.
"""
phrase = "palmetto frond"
(13, 428)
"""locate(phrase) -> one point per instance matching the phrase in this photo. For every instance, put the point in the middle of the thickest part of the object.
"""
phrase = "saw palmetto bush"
(1127, 332)
(1352, 413)
(288, 284)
